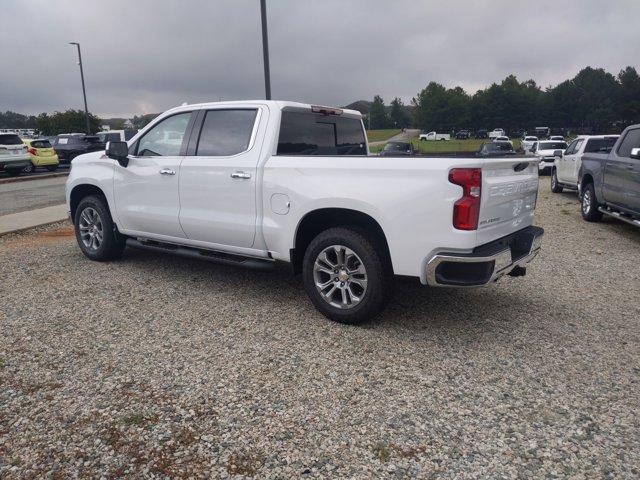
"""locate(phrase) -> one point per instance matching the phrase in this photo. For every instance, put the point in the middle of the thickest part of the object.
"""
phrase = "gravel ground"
(158, 366)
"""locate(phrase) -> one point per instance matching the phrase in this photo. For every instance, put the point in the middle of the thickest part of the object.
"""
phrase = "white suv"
(13, 154)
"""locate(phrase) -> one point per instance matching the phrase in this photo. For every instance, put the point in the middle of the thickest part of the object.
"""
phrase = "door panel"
(146, 200)
(622, 175)
(146, 190)
(218, 183)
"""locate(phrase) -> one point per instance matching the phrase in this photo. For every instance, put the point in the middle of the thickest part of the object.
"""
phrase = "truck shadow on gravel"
(413, 305)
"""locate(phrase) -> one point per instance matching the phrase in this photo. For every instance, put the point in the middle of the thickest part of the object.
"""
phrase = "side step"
(200, 254)
(619, 216)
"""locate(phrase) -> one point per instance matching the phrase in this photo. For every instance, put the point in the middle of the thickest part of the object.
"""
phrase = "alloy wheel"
(340, 276)
(91, 231)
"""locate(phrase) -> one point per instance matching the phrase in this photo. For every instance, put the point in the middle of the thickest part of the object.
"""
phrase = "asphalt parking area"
(156, 365)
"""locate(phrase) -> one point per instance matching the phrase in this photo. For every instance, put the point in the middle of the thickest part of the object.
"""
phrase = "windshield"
(530, 139)
(397, 147)
(10, 139)
(552, 145)
(41, 144)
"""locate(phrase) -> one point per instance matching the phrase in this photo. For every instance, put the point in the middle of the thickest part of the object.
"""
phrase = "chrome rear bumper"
(486, 264)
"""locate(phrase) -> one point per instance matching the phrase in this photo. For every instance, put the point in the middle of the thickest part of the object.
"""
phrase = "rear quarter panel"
(410, 197)
(593, 165)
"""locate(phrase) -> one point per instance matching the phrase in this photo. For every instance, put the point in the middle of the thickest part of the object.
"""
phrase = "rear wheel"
(31, 168)
(590, 204)
(95, 231)
(346, 275)
(13, 173)
(556, 187)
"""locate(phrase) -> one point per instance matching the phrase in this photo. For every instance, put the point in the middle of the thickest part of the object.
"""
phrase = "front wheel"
(346, 275)
(590, 204)
(95, 231)
(555, 185)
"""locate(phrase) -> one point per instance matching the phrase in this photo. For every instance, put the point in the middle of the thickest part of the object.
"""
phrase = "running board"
(619, 216)
(200, 254)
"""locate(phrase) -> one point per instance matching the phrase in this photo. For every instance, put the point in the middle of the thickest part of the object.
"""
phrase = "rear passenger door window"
(226, 132)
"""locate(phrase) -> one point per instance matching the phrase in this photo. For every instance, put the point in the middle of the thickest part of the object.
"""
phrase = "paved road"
(22, 196)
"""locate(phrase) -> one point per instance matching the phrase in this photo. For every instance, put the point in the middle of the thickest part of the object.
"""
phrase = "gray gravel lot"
(159, 366)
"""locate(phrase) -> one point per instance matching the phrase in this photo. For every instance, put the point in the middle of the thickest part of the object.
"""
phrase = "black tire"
(112, 244)
(31, 168)
(52, 168)
(379, 276)
(13, 173)
(589, 204)
(556, 187)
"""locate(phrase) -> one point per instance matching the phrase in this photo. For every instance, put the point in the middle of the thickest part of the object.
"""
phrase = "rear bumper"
(486, 263)
(15, 163)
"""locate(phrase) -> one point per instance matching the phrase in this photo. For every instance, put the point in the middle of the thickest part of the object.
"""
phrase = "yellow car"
(42, 155)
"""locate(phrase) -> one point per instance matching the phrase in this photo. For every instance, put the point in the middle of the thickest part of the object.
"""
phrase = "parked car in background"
(567, 165)
(545, 151)
(542, 132)
(392, 149)
(463, 135)
(503, 138)
(496, 149)
(13, 154)
(610, 182)
(519, 133)
(116, 135)
(480, 134)
(557, 137)
(497, 132)
(42, 154)
(527, 142)
(435, 136)
(256, 182)
(68, 146)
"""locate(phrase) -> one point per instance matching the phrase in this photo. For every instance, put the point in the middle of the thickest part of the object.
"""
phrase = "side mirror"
(635, 153)
(558, 153)
(118, 151)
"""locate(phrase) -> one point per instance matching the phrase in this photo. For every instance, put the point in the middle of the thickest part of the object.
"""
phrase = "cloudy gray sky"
(145, 56)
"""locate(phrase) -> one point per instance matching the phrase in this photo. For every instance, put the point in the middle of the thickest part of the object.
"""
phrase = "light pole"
(265, 49)
(84, 92)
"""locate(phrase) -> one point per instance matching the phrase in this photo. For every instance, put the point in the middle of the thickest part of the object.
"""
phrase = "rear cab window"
(307, 133)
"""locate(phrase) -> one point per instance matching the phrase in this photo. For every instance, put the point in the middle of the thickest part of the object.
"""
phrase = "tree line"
(593, 101)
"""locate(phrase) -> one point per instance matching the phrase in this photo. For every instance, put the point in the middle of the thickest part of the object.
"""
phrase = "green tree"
(69, 121)
(398, 115)
(378, 113)
(629, 98)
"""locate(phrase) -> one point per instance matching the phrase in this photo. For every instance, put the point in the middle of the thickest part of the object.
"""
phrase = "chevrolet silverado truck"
(609, 183)
(252, 183)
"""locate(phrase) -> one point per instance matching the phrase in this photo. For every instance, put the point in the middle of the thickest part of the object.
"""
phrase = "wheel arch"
(316, 221)
(81, 191)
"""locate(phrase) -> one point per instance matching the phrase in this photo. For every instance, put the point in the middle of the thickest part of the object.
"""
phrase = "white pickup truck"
(255, 182)
(433, 136)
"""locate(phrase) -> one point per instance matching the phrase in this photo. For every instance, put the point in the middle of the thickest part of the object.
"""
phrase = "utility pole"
(84, 92)
(265, 49)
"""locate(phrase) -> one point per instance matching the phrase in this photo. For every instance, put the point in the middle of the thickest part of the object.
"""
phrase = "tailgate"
(509, 194)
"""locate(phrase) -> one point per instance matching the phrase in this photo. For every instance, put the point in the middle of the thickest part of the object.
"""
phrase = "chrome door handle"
(240, 175)
(167, 171)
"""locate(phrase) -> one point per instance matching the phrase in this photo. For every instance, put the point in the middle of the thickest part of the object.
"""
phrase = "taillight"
(33, 151)
(466, 210)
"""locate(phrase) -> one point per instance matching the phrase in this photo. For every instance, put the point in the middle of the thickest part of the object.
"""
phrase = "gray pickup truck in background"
(609, 183)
